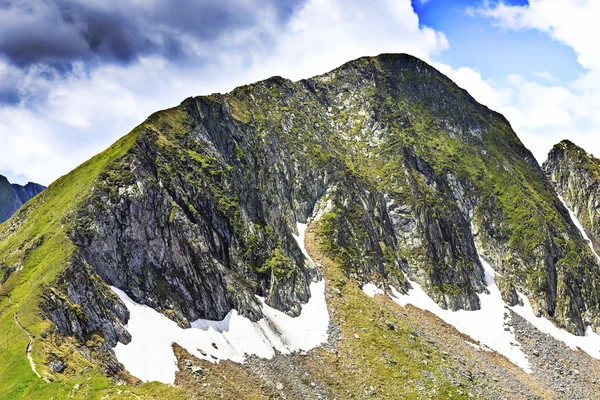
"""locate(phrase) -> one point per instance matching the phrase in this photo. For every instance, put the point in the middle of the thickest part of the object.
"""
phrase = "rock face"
(193, 213)
(576, 176)
(98, 311)
(408, 173)
(13, 196)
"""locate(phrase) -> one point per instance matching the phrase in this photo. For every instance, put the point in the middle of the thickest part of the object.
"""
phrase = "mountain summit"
(195, 220)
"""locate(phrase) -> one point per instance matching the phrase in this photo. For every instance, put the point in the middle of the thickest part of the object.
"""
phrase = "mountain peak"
(409, 187)
(569, 157)
(575, 174)
(13, 196)
(567, 145)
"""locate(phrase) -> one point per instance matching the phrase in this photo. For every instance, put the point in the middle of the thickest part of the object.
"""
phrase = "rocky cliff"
(193, 213)
(575, 174)
(410, 172)
(13, 196)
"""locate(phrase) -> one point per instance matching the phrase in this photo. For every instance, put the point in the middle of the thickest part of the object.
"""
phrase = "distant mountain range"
(13, 196)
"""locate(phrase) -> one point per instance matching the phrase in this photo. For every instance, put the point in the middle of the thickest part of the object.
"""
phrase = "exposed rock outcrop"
(410, 174)
(576, 176)
(80, 304)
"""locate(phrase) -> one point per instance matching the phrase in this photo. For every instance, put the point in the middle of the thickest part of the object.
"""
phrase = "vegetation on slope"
(575, 174)
(404, 166)
(36, 241)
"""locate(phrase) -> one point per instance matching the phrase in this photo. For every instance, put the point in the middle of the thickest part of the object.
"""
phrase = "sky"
(75, 75)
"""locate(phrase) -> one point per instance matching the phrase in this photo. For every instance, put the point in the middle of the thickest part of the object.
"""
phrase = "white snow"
(149, 356)
(371, 290)
(579, 226)
(478, 347)
(486, 325)
(590, 343)
(300, 240)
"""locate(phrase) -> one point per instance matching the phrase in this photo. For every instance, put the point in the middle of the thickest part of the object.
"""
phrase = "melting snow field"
(486, 325)
(590, 343)
(149, 356)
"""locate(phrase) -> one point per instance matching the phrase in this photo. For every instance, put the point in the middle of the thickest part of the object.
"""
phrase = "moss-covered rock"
(194, 212)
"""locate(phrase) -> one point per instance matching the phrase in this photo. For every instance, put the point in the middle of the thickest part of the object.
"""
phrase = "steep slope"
(421, 161)
(13, 196)
(576, 176)
(194, 215)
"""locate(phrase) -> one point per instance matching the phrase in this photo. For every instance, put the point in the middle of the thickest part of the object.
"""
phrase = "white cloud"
(62, 120)
(571, 22)
(328, 33)
(546, 76)
(543, 113)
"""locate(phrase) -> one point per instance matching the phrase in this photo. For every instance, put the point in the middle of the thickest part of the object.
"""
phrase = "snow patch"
(590, 343)
(488, 325)
(579, 226)
(300, 240)
(371, 290)
(149, 356)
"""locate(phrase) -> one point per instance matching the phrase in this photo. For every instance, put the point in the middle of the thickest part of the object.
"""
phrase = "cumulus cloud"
(75, 75)
(573, 23)
(544, 112)
(326, 33)
(93, 83)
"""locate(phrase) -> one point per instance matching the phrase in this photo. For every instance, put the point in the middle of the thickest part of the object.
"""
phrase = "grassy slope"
(19, 296)
(422, 357)
(45, 216)
(357, 365)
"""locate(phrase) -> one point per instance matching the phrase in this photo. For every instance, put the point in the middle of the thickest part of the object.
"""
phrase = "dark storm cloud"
(58, 32)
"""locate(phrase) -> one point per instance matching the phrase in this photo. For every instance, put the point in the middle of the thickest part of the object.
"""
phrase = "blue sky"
(493, 51)
(75, 75)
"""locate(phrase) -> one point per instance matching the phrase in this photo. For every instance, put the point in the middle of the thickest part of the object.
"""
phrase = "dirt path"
(29, 347)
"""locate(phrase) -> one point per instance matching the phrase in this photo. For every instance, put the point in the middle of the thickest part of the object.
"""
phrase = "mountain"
(575, 175)
(13, 196)
(183, 246)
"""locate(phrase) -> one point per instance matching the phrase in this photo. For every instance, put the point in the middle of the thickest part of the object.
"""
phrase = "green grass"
(370, 353)
(48, 215)
(490, 165)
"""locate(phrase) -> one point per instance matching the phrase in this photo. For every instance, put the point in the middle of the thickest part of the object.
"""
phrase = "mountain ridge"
(575, 175)
(13, 196)
(194, 213)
